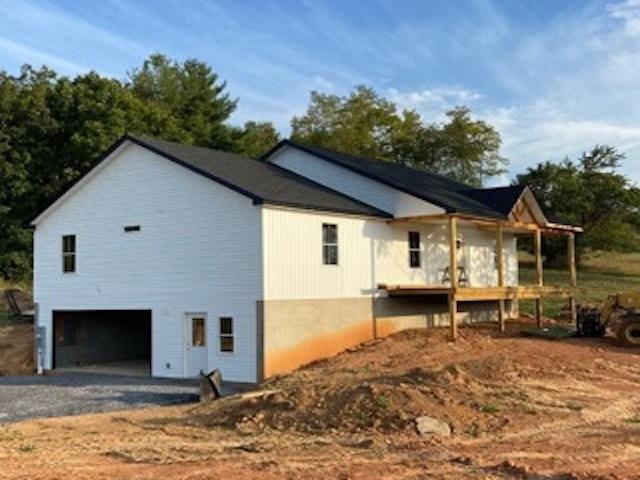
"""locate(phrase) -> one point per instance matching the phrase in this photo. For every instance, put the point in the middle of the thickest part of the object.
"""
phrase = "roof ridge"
(286, 171)
(297, 176)
(381, 162)
(432, 187)
(260, 182)
(502, 187)
(144, 138)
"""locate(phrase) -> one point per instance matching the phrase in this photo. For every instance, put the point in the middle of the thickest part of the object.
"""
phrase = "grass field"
(602, 274)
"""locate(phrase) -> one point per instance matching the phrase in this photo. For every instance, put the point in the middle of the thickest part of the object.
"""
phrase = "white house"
(192, 259)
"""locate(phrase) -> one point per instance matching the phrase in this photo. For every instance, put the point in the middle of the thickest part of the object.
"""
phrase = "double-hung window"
(226, 335)
(68, 253)
(329, 244)
(414, 249)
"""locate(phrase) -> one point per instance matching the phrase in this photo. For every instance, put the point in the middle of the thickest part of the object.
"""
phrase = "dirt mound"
(384, 386)
(16, 350)
(519, 407)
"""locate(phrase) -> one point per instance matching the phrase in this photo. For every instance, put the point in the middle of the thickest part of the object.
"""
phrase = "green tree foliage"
(462, 148)
(590, 193)
(191, 94)
(364, 123)
(26, 124)
(254, 138)
(52, 129)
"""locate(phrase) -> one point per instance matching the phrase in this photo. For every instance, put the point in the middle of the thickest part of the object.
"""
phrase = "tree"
(462, 148)
(362, 123)
(191, 93)
(366, 124)
(590, 193)
(255, 138)
(25, 127)
(52, 129)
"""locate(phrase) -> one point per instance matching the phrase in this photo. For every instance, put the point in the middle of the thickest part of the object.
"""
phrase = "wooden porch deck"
(525, 292)
(501, 293)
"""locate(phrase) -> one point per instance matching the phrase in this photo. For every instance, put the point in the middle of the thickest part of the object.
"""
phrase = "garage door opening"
(108, 341)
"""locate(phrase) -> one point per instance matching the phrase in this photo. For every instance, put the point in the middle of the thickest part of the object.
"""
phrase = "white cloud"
(42, 32)
(427, 96)
(553, 86)
(432, 103)
(583, 74)
(323, 82)
(533, 134)
(57, 26)
(24, 54)
(629, 12)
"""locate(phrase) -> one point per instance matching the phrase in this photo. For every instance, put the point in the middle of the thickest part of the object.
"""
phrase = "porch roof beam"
(549, 228)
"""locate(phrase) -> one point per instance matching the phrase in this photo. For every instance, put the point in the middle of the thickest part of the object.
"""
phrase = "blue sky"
(554, 76)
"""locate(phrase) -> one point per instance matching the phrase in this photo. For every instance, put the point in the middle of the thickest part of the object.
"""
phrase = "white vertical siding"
(370, 252)
(477, 255)
(358, 186)
(199, 250)
(293, 269)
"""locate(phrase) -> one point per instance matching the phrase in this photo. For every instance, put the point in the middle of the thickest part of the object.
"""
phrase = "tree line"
(53, 127)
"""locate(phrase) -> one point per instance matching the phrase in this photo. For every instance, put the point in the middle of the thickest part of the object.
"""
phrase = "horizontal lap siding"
(199, 250)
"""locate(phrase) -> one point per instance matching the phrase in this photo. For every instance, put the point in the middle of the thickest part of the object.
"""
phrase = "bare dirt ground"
(16, 350)
(518, 407)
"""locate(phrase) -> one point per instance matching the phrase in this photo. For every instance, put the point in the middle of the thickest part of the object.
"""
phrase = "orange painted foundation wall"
(312, 349)
(297, 332)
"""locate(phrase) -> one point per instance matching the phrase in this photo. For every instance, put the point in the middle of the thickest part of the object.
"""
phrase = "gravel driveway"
(75, 393)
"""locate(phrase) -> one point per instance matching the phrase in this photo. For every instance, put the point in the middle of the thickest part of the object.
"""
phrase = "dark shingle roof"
(501, 199)
(262, 182)
(453, 196)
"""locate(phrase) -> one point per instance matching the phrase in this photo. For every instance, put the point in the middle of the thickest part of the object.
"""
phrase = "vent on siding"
(132, 228)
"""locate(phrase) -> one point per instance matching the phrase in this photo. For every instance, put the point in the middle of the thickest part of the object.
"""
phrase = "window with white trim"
(329, 244)
(226, 334)
(68, 253)
(414, 249)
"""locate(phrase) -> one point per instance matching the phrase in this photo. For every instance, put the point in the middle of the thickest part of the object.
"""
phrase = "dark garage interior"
(117, 337)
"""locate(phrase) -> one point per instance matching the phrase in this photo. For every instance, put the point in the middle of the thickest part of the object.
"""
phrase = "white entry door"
(196, 345)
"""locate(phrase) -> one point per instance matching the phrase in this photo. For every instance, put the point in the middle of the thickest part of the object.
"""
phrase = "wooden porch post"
(539, 277)
(453, 274)
(500, 261)
(571, 262)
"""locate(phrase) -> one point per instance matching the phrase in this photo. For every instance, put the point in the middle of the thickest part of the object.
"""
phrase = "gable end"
(104, 158)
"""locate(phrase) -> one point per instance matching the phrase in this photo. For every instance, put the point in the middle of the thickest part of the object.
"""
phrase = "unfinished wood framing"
(474, 294)
(508, 225)
(537, 248)
(453, 274)
(573, 275)
(501, 293)
(537, 251)
(500, 262)
(453, 315)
